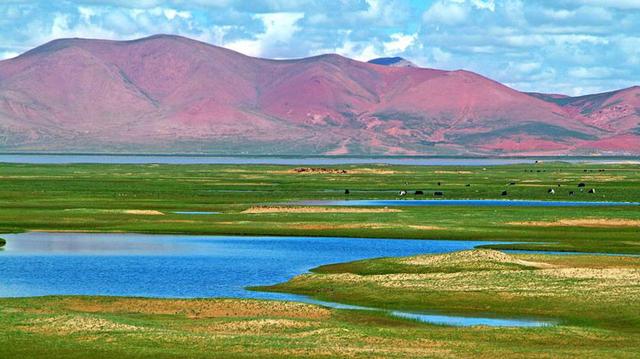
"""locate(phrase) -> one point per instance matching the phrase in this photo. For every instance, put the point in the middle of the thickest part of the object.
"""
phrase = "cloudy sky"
(564, 46)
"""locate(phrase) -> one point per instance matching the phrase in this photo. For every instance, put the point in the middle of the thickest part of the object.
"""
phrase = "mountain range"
(170, 94)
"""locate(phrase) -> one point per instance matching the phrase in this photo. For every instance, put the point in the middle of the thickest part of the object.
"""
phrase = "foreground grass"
(142, 198)
(586, 291)
(98, 327)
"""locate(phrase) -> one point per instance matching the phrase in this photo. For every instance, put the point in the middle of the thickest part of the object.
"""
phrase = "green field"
(97, 198)
(594, 299)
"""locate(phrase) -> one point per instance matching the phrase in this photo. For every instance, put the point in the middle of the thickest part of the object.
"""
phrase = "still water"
(291, 160)
(181, 266)
(463, 202)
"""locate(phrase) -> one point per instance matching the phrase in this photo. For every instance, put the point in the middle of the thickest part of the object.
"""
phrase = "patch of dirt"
(269, 209)
(322, 170)
(144, 212)
(198, 308)
(426, 228)
(323, 226)
(261, 325)
(585, 222)
(69, 324)
(472, 257)
(453, 172)
(317, 170)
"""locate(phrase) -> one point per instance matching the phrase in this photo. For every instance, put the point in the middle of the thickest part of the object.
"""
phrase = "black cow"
(582, 184)
(504, 193)
(593, 190)
(419, 193)
(346, 191)
(438, 193)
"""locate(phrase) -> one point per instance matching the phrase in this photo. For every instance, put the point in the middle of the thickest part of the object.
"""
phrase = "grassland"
(142, 198)
(594, 300)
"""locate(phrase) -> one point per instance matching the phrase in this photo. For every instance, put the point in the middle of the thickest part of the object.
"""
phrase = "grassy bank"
(143, 198)
(585, 291)
(95, 327)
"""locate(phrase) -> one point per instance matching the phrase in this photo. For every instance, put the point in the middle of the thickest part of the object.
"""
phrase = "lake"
(462, 202)
(182, 266)
(291, 160)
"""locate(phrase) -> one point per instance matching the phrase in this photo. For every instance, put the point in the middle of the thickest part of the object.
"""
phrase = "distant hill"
(392, 61)
(169, 94)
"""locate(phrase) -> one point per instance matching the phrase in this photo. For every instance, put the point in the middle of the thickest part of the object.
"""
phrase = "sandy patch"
(601, 178)
(472, 257)
(323, 226)
(144, 212)
(198, 308)
(267, 209)
(261, 325)
(69, 324)
(586, 222)
(315, 170)
(453, 172)
(426, 228)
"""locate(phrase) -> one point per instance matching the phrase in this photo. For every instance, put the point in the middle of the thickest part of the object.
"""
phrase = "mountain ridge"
(167, 93)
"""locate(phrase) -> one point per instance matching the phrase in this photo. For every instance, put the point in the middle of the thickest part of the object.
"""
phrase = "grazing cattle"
(439, 183)
(571, 193)
(504, 193)
(551, 191)
(419, 193)
(438, 193)
(512, 183)
(403, 193)
(346, 191)
(467, 185)
(582, 184)
(593, 190)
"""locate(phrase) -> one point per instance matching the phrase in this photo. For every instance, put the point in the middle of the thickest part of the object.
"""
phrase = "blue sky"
(564, 46)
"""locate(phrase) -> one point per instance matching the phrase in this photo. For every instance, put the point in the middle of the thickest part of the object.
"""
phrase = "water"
(291, 160)
(463, 202)
(181, 266)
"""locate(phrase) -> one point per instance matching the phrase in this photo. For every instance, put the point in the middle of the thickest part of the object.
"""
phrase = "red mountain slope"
(172, 94)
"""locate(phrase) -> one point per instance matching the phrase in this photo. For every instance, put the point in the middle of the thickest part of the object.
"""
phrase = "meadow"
(143, 198)
(592, 299)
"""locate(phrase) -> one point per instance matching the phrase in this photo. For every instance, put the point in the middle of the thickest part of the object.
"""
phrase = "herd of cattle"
(581, 187)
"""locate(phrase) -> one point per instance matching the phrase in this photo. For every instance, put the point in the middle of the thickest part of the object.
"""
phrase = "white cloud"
(446, 12)
(279, 28)
(8, 55)
(399, 43)
(591, 72)
(171, 14)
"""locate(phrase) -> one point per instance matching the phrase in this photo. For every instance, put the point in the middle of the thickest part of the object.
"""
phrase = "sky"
(573, 47)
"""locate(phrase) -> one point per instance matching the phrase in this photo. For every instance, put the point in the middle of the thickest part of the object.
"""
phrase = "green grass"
(94, 197)
(103, 327)
(598, 314)
(585, 291)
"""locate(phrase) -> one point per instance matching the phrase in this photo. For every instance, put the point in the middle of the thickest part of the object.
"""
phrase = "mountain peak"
(392, 62)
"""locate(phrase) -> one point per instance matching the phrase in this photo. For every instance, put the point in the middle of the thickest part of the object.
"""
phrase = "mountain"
(392, 61)
(169, 94)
